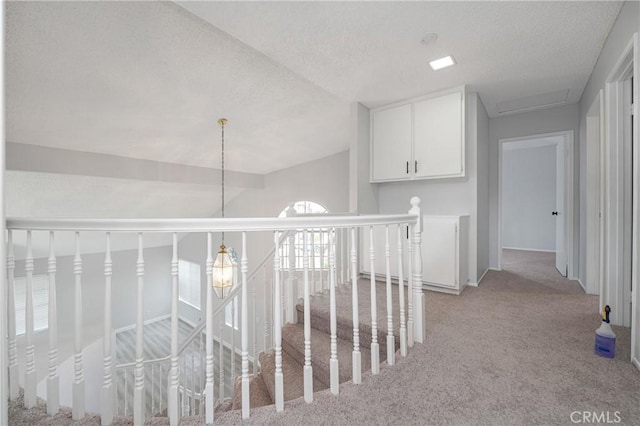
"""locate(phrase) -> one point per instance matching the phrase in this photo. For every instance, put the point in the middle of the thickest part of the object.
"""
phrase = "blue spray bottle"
(605, 337)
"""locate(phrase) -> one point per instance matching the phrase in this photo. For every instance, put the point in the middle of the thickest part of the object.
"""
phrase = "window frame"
(40, 310)
(186, 301)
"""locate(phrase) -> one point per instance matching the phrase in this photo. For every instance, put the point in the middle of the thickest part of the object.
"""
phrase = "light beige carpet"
(518, 350)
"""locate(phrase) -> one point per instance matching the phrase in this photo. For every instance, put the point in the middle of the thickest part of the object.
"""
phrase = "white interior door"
(561, 217)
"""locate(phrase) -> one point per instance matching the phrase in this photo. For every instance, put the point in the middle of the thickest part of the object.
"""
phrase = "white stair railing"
(183, 382)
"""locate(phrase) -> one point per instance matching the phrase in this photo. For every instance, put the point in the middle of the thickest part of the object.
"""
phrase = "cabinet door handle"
(416, 167)
(407, 167)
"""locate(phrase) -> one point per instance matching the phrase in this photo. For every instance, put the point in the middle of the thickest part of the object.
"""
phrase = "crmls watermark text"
(591, 417)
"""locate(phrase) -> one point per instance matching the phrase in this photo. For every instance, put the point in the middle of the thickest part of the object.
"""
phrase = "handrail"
(145, 362)
(198, 329)
(206, 225)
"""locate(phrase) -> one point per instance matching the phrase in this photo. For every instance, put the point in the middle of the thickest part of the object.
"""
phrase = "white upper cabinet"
(392, 139)
(438, 140)
(422, 138)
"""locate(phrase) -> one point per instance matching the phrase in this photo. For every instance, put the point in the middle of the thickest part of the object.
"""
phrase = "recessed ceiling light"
(445, 62)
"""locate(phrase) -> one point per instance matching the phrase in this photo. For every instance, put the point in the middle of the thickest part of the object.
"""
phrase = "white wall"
(324, 181)
(528, 197)
(626, 24)
(520, 125)
(482, 130)
(363, 197)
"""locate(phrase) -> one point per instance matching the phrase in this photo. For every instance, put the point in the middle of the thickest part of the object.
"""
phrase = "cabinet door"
(439, 138)
(439, 252)
(391, 144)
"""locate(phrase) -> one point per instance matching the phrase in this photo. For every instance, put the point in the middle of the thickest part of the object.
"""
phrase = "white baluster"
(221, 356)
(209, 399)
(161, 377)
(174, 382)
(107, 384)
(126, 393)
(267, 314)
(418, 294)
(244, 323)
(403, 325)
(292, 285)
(356, 356)
(153, 390)
(185, 395)
(233, 341)
(343, 255)
(14, 386)
(349, 269)
(277, 329)
(333, 362)
(391, 340)
(410, 327)
(192, 402)
(78, 379)
(308, 369)
(314, 281)
(53, 387)
(375, 346)
(321, 235)
(138, 393)
(31, 380)
(256, 322)
(201, 375)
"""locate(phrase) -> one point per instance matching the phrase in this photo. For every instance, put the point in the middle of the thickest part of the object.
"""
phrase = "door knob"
(554, 213)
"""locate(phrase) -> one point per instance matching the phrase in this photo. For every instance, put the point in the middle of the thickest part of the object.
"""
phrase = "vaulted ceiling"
(148, 80)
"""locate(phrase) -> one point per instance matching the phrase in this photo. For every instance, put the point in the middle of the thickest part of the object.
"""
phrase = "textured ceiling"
(371, 52)
(149, 80)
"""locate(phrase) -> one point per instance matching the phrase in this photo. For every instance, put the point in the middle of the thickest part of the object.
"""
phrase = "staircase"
(262, 385)
(323, 342)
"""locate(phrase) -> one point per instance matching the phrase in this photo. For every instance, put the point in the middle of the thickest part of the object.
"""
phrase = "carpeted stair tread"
(292, 376)
(226, 405)
(258, 393)
(293, 344)
(320, 316)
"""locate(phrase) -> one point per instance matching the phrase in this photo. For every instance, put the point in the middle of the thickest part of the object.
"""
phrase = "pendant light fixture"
(222, 274)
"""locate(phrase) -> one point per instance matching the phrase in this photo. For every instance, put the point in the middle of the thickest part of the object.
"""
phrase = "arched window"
(317, 241)
(305, 207)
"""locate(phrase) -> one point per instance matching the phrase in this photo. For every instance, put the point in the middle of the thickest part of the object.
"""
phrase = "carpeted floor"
(517, 350)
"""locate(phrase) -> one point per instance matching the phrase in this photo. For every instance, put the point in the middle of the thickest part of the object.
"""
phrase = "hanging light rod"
(222, 274)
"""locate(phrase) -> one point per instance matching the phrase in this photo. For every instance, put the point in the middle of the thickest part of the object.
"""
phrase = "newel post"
(418, 294)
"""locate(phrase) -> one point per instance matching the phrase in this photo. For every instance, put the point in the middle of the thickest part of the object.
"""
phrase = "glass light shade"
(222, 274)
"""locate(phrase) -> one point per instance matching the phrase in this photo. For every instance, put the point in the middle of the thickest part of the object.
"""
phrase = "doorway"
(622, 196)
(535, 196)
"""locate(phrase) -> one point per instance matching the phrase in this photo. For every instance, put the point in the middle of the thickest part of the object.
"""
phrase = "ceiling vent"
(544, 100)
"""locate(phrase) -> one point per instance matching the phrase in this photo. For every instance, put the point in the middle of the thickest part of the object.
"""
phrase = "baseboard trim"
(474, 284)
(494, 269)
(187, 321)
(636, 362)
(147, 322)
(584, 288)
(528, 249)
